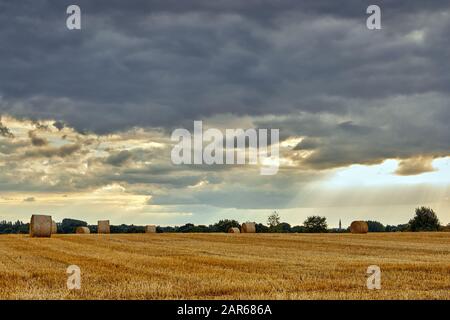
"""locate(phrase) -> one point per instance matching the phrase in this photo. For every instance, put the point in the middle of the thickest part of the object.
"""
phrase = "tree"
(188, 227)
(282, 227)
(375, 226)
(390, 228)
(315, 224)
(70, 225)
(224, 225)
(160, 229)
(123, 228)
(201, 229)
(298, 229)
(273, 220)
(424, 220)
(398, 228)
(261, 228)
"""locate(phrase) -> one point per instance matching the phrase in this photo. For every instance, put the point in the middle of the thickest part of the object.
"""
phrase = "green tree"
(188, 227)
(273, 220)
(315, 224)
(282, 227)
(124, 228)
(224, 225)
(298, 229)
(261, 228)
(70, 225)
(375, 226)
(424, 220)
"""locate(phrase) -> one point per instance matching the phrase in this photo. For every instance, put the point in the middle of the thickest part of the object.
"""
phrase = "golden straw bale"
(83, 230)
(359, 227)
(54, 227)
(248, 227)
(40, 226)
(103, 226)
(234, 230)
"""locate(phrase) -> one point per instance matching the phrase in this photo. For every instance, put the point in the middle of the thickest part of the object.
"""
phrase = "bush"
(424, 220)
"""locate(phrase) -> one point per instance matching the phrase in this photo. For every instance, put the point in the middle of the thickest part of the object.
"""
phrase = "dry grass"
(226, 266)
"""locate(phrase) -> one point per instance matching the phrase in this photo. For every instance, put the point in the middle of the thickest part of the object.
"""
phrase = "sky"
(87, 115)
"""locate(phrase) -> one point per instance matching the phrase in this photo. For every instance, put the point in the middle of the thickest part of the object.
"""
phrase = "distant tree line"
(13, 227)
(425, 219)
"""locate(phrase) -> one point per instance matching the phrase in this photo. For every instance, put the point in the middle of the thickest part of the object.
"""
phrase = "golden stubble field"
(226, 266)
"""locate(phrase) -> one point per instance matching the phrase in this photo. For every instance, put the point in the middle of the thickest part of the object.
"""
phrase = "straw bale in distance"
(359, 227)
(248, 227)
(234, 230)
(54, 227)
(82, 230)
(103, 226)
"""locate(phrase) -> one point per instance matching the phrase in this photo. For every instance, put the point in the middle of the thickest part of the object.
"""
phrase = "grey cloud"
(253, 192)
(352, 128)
(9, 146)
(119, 158)
(307, 144)
(49, 152)
(167, 62)
(37, 141)
(397, 127)
(312, 64)
(59, 125)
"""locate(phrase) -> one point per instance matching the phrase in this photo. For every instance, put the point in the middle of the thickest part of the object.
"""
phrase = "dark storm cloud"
(119, 158)
(166, 63)
(398, 127)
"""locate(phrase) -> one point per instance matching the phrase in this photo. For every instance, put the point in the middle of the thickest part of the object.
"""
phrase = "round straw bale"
(103, 226)
(54, 227)
(40, 226)
(234, 230)
(83, 230)
(248, 227)
(359, 227)
(150, 229)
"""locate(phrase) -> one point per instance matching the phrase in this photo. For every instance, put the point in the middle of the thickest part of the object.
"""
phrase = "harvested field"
(226, 266)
